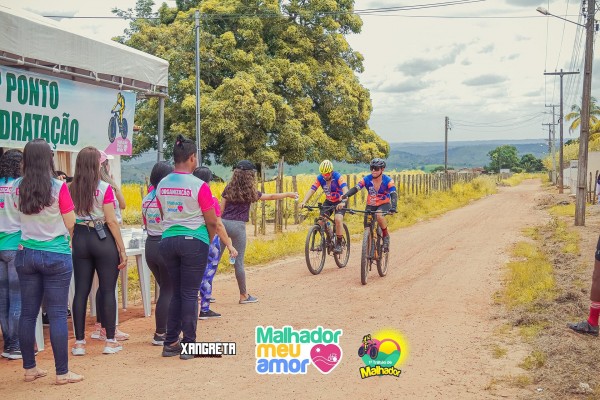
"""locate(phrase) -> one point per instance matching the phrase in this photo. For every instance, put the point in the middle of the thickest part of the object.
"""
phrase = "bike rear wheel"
(342, 258)
(314, 250)
(365, 261)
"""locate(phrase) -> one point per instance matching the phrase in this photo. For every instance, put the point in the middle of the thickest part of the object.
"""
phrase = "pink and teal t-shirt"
(183, 198)
(151, 215)
(10, 224)
(104, 195)
(46, 229)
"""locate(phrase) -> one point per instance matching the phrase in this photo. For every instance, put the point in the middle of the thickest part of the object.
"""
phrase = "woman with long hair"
(154, 228)
(236, 199)
(44, 262)
(99, 332)
(189, 225)
(10, 235)
(97, 247)
(214, 252)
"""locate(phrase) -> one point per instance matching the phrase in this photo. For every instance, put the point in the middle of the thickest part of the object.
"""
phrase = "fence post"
(263, 217)
(279, 203)
(295, 190)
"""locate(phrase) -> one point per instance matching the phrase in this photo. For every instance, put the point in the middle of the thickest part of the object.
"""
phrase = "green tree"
(276, 80)
(530, 163)
(575, 115)
(503, 157)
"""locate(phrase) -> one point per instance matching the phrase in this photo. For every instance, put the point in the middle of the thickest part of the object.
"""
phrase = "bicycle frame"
(321, 220)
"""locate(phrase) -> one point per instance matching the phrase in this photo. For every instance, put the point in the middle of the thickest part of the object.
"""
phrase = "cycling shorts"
(329, 207)
(381, 207)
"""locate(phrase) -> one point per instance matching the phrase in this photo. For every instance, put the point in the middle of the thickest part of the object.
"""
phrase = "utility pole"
(446, 127)
(551, 138)
(585, 116)
(197, 29)
(551, 145)
(560, 119)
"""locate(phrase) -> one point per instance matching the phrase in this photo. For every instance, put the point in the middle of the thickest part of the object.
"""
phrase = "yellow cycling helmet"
(326, 167)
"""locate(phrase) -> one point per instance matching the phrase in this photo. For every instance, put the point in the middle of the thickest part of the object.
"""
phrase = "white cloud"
(423, 65)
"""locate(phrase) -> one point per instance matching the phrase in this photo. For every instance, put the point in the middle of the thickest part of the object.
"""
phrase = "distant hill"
(403, 156)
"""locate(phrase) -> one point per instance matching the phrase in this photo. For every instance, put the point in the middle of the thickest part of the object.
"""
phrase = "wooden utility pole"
(585, 116)
(551, 139)
(560, 119)
(446, 126)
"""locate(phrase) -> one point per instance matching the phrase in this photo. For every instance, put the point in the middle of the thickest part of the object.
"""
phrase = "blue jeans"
(44, 274)
(185, 259)
(10, 300)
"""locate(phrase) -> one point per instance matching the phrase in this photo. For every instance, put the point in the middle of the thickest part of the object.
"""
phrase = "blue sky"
(481, 64)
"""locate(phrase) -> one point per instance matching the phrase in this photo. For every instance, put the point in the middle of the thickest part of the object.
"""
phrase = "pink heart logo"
(326, 357)
(180, 208)
(157, 220)
(2, 205)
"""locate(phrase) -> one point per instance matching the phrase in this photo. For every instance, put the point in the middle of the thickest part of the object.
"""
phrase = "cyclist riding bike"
(121, 104)
(334, 186)
(382, 196)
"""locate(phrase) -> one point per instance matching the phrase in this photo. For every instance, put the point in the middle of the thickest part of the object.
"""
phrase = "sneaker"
(212, 300)
(5, 353)
(584, 327)
(249, 299)
(158, 340)
(171, 350)
(186, 356)
(209, 314)
(15, 355)
(120, 336)
(112, 348)
(99, 333)
(79, 349)
(386, 243)
(337, 249)
(45, 319)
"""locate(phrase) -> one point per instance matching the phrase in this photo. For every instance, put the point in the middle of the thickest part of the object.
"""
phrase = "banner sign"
(68, 115)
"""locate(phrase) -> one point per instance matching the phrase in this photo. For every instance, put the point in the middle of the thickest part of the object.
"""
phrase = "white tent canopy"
(39, 43)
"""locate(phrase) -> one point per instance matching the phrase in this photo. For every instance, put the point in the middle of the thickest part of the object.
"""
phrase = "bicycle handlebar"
(351, 211)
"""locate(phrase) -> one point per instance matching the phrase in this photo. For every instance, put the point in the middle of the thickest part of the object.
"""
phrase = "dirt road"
(438, 294)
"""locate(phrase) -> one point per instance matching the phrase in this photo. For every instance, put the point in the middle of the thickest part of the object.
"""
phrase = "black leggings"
(90, 254)
(156, 263)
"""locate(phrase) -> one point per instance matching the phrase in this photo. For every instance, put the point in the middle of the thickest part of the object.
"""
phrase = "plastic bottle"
(329, 228)
(231, 260)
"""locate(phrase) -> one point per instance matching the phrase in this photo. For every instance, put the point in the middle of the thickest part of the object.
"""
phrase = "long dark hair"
(85, 181)
(10, 164)
(183, 149)
(242, 188)
(35, 190)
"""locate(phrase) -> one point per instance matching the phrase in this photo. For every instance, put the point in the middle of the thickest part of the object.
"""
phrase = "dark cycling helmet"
(377, 162)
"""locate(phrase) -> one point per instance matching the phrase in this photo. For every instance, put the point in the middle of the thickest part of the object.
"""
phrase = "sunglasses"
(327, 175)
(375, 168)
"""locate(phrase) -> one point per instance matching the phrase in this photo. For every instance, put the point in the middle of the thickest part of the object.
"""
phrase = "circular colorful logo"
(386, 348)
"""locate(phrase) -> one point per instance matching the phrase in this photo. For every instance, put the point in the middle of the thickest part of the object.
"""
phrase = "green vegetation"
(506, 157)
(285, 86)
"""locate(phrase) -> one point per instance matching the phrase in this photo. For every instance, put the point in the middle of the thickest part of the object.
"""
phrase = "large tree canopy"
(277, 79)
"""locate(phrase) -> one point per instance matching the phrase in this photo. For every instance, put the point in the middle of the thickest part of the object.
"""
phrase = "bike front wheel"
(342, 258)
(314, 250)
(365, 259)
(382, 260)
(112, 129)
(124, 129)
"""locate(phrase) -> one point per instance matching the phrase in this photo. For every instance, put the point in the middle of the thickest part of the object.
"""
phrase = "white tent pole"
(161, 127)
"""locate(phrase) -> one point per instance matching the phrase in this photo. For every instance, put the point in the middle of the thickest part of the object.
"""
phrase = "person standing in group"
(214, 252)
(334, 186)
(10, 235)
(237, 197)
(154, 228)
(99, 333)
(97, 247)
(44, 261)
(190, 223)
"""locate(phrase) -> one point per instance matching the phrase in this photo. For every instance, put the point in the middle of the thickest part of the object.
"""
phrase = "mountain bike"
(372, 246)
(114, 125)
(321, 239)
